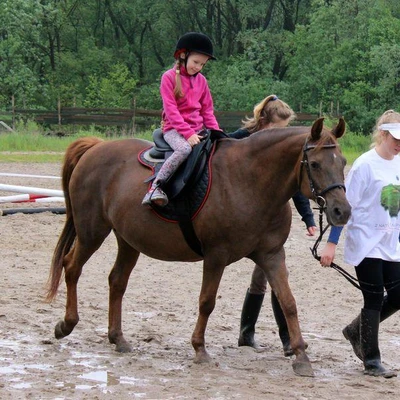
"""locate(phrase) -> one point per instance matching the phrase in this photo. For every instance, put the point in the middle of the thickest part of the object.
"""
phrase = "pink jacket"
(191, 113)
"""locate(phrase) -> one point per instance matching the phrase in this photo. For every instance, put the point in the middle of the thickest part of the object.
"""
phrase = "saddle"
(187, 189)
(190, 171)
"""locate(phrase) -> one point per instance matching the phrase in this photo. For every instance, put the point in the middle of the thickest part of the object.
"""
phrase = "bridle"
(318, 196)
(320, 200)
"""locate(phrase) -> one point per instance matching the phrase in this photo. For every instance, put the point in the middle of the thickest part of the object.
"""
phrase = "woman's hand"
(328, 254)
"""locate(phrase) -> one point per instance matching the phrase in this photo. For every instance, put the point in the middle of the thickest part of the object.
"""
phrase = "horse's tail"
(66, 240)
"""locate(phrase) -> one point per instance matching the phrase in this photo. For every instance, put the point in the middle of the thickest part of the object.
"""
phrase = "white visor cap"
(393, 129)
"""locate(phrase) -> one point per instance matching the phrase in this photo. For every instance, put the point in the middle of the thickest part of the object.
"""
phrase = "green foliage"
(148, 96)
(347, 53)
(236, 84)
(107, 53)
(113, 90)
(353, 145)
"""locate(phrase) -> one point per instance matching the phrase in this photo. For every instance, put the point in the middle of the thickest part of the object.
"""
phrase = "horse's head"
(321, 172)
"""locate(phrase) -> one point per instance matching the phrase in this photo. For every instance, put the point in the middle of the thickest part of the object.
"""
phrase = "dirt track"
(160, 311)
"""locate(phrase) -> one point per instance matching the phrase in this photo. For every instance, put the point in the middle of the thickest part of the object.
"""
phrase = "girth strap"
(186, 224)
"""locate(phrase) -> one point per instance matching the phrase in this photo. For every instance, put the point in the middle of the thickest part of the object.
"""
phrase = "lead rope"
(348, 276)
(314, 249)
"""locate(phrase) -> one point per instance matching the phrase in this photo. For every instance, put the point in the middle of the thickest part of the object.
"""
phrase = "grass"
(353, 145)
(30, 144)
(31, 157)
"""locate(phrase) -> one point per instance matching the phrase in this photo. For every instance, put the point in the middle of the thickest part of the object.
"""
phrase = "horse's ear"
(317, 129)
(340, 128)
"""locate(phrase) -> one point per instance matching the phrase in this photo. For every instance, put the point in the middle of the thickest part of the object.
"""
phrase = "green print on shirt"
(390, 199)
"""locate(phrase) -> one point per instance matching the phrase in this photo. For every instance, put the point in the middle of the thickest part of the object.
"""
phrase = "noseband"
(318, 196)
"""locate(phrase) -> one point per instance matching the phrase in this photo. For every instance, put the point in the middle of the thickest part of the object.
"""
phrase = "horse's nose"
(340, 215)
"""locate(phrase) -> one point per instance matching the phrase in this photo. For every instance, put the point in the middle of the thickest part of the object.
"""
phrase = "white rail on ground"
(31, 190)
(29, 176)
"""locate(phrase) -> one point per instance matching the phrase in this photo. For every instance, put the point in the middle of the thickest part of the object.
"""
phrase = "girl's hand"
(328, 254)
(194, 139)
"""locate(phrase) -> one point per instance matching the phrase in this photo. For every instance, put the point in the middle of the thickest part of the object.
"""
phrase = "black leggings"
(375, 275)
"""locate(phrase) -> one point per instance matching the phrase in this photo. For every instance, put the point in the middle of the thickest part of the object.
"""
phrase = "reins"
(314, 251)
(353, 280)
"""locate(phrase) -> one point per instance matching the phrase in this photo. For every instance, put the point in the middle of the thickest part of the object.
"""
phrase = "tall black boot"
(282, 325)
(250, 312)
(352, 331)
(369, 327)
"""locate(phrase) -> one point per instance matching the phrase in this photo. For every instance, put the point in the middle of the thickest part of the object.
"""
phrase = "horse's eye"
(314, 165)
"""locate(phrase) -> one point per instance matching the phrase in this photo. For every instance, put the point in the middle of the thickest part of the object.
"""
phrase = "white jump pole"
(20, 198)
(30, 176)
(31, 190)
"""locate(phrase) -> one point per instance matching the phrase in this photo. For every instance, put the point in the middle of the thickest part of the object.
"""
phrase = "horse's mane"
(275, 135)
(271, 136)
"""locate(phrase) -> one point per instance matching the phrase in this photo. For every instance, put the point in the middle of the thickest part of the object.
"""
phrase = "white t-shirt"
(373, 191)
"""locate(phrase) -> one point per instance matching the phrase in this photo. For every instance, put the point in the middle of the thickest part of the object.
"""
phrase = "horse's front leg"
(275, 269)
(212, 275)
(118, 281)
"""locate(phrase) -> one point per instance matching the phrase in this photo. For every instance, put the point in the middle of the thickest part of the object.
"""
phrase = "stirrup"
(156, 196)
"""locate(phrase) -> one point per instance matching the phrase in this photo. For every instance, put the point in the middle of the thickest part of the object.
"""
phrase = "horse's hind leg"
(118, 281)
(277, 276)
(73, 264)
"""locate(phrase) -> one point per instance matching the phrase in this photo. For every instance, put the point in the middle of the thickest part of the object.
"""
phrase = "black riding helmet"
(194, 41)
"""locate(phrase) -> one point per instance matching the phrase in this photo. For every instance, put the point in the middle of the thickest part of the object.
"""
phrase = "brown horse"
(247, 214)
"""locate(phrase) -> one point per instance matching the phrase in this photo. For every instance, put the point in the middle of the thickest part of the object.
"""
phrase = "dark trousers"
(377, 276)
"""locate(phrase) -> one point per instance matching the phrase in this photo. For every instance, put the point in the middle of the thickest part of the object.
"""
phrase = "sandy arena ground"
(160, 310)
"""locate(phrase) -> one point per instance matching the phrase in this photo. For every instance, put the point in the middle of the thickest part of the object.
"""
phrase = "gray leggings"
(181, 148)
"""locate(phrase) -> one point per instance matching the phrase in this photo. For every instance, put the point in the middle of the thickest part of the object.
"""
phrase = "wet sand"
(159, 314)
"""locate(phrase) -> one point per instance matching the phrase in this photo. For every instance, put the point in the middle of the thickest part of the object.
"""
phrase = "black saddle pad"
(191, 198)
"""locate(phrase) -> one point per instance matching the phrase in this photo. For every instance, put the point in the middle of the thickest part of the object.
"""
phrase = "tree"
(332, 58)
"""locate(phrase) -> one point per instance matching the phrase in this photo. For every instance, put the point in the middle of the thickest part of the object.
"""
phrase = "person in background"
(187, 107)
(269, 113)
(372, 239)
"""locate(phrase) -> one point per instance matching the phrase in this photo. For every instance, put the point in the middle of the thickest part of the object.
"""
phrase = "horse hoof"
(303, 369)
(124, 347)
(202, 358)
(58, 330)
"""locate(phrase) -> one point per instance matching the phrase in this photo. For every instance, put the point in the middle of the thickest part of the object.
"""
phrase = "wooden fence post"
(133, 126)
(59, 112)
(13, 111)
